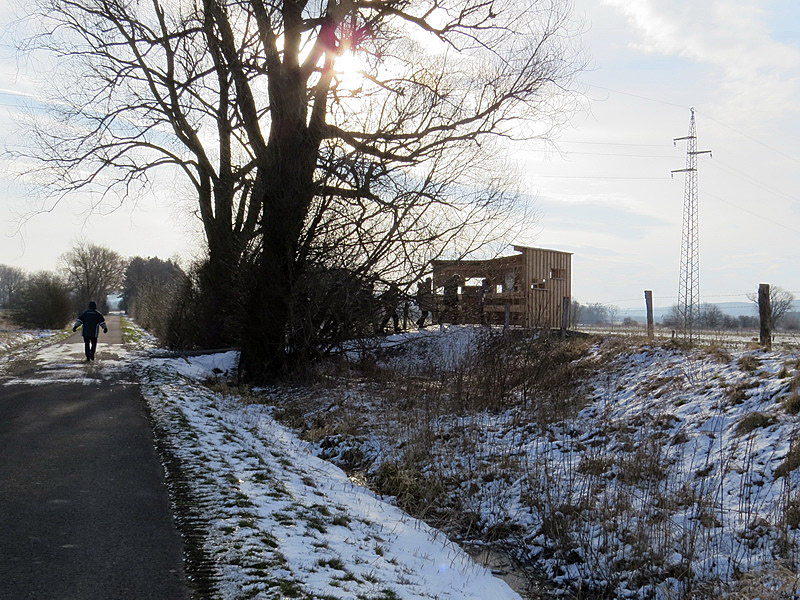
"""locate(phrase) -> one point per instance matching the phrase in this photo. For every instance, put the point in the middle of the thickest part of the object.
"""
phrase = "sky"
(601, 187)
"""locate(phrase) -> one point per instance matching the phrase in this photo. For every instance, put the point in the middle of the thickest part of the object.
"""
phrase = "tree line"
(148, 287)
(708, 316)
(171, 302)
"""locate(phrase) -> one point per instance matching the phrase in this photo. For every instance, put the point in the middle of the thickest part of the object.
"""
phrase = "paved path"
(84, 512)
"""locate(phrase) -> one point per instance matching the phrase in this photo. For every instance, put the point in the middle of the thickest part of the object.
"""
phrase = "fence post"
(648, 300)
(764, 315)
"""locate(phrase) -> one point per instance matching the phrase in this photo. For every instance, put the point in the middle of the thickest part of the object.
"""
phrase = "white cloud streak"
(731, 37)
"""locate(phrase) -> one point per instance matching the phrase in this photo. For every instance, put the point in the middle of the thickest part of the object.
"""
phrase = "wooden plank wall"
(545, 305)
(529, 307)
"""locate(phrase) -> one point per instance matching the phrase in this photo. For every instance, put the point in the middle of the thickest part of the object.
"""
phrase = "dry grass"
(790, 463)
(792, 403)
(753, 421)
(749, 363)
(621, 482)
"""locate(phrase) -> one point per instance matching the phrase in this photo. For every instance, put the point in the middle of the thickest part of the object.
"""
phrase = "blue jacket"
(92, 321)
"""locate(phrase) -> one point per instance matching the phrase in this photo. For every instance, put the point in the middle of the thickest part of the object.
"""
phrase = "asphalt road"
(84, 511)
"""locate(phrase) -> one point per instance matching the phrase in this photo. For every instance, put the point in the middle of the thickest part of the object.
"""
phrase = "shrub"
(749, 363)
(738, 393)
(753, 421)
(790, 463)
(792, 403)
(44, 302)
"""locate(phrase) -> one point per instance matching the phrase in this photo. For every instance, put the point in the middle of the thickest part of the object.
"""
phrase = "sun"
(349, 70)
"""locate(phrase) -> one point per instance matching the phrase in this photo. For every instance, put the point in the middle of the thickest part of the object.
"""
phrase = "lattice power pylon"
(689, 283)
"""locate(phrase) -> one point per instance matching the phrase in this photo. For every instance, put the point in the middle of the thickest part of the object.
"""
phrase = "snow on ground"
(675, 468)
(10, 340)
(280, 522)
(444, 347)
(66, 363)
(284, 523)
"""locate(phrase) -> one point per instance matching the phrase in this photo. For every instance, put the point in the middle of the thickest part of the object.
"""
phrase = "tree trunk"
(218, 281)
(288, 193)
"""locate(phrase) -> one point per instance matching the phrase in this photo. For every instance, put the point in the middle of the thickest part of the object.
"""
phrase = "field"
(739, 339)
(587, 468)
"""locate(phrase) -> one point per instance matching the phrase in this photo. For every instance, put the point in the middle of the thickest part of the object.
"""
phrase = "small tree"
(44, 302)
(11, 281)
(93, 272)
(711, 316)
(673, 317)
(575, 313)
(780, 301)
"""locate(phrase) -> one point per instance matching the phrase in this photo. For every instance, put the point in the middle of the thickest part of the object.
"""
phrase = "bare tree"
(780, 301)
(93, 272)
(710, 316)
(143, 92)
(297, 162)
(12, 280)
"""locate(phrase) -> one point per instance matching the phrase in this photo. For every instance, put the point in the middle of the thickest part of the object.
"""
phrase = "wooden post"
(764, 314)
(648, 300)
(507, 322)
(565, 302)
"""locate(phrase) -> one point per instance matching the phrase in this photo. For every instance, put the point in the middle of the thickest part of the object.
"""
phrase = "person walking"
(424, 301)
(449, 313)
(92, 321)
(390, 301)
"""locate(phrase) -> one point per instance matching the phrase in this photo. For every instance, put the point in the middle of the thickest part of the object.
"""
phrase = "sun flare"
(349, 67)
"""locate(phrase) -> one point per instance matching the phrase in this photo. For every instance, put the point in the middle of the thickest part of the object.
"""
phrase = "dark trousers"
(395, 318)
(91, 345)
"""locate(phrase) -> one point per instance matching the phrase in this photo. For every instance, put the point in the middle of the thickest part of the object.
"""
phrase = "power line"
(731, 170)
(706, 115)
(750, 137)
(671, 157)
(739, 295)
(601, 177)
(616, 144)
(607, 89)
(755, 214)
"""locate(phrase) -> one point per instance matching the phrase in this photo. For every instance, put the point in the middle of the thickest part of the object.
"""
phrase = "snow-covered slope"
(644, 471)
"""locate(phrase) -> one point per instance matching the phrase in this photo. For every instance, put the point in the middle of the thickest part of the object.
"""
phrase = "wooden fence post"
(648, 300)
(764, 315)
(565, 302)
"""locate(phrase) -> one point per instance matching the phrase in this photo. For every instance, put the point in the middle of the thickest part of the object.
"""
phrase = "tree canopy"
(296, 157)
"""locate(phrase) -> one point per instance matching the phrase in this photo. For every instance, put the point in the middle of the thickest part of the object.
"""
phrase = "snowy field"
(738, 339)
(654, 473)
(628, 471)
(12, 339)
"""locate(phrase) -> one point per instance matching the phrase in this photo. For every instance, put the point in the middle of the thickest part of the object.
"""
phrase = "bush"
(200, 315)
(44, 302)
(790, 463)
(792, 403)
(753, 421)
(749, 363)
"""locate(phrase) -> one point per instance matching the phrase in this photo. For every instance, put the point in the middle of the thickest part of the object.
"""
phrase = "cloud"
(731, 37)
